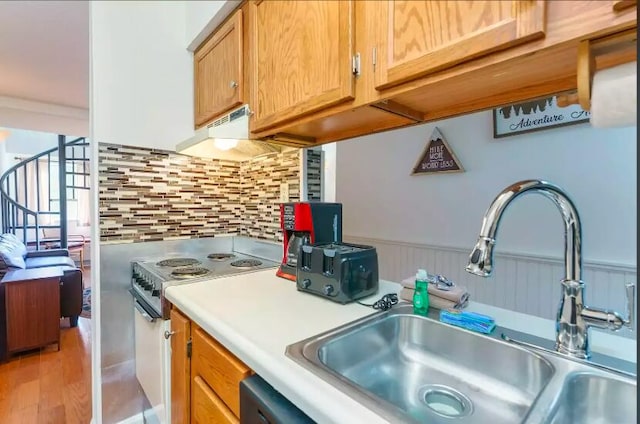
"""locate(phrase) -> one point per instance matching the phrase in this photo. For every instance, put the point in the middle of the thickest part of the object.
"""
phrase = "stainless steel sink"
(588, 398)
(431, 373)
(412, 369)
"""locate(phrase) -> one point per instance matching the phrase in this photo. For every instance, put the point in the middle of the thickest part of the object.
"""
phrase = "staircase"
(34, 194)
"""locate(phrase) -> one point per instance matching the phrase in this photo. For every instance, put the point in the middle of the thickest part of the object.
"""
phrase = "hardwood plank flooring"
(50, 386)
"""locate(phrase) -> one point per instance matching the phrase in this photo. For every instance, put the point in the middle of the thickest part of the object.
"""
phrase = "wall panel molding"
(522, 283)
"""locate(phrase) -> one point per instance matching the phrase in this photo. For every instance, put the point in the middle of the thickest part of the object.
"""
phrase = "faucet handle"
(631, 305)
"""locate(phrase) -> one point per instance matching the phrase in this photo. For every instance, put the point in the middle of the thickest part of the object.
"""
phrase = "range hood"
(226, 138)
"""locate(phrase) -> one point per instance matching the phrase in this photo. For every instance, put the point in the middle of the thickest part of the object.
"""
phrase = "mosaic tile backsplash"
(314, 175)
(149, 194)
(261, 180)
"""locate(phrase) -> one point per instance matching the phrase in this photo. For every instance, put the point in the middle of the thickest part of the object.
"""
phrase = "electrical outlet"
(284, 192)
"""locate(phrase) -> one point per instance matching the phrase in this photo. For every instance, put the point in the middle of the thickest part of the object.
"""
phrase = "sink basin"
(414, 369)
(588, 398)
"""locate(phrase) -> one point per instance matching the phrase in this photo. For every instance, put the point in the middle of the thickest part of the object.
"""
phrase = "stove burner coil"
(246, 263)
(189, 272)
(176, 262)
(220, 256)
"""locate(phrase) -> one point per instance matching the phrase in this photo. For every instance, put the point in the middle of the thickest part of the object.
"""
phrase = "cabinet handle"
(168, 334)
(233, 84)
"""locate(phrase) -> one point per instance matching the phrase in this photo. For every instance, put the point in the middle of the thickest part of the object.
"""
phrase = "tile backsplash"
(314, 175)
(261, 184)
(150, 194)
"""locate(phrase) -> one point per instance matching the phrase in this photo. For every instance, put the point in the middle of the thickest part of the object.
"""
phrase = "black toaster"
(341, 272)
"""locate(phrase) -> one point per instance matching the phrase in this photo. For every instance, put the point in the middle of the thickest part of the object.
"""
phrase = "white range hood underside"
(233, 126)
(246, 149)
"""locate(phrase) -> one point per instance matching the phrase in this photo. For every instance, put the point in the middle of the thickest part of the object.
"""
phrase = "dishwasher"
(262, 404)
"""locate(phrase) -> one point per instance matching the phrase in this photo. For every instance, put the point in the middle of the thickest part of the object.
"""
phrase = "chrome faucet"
(574, 318)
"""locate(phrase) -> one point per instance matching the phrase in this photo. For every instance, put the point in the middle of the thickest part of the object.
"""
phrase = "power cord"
(384, 303)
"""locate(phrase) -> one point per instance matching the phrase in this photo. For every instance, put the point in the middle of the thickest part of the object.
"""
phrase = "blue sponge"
(468, 320)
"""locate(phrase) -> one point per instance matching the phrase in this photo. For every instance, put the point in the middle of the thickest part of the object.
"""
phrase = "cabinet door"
(218, 72)
(207, 406)
(219, 368)
(420, 37)
(302, 58)
(180, 367)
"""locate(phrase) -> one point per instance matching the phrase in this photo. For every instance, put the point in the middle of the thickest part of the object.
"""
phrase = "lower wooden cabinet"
(180, 367)
(207, 407)
(205, 376)
(218, 367)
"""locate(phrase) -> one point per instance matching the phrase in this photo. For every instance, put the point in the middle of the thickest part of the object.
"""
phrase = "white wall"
(28, 143)
(142, 82)
(141, 94)
(329, 172)
(596, 167)
(202, 17)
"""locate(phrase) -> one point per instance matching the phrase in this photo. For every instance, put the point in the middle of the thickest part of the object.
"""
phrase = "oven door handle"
(146, 310)
(143, 312)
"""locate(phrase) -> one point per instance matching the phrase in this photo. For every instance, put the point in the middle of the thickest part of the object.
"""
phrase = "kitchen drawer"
(207, 407)
(219, 368)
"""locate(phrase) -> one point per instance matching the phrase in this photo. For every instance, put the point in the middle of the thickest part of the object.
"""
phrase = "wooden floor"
(50, 386)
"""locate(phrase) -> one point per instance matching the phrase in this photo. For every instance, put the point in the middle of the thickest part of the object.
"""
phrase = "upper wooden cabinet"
(301, 53)
(421, 37)
(218, 71)
(420, 61)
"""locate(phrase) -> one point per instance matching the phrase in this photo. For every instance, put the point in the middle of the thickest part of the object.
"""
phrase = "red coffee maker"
(307, 223)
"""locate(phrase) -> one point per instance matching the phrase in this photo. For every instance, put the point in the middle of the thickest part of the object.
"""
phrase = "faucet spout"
(481, 258)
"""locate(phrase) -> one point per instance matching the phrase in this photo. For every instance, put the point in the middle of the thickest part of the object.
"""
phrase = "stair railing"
(25, 217)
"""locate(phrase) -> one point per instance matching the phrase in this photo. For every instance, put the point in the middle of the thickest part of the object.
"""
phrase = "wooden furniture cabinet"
(301, 54)
(205, 376)
(219, 70)
(420, 37)
(32, 308)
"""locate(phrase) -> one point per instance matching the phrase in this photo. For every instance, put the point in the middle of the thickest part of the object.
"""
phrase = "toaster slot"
(328, 256)
(305, 261)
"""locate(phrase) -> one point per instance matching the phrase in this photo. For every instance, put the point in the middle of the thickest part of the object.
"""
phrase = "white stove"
(151, 277)
(175, 263)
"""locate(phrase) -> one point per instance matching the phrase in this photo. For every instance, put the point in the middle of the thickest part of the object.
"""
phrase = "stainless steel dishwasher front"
(262, 404)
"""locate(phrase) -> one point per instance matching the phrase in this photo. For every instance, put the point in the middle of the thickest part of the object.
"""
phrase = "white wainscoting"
(527, 284)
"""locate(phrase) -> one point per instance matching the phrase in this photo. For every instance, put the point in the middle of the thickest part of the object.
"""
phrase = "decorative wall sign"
(437, 157)
(535, 115)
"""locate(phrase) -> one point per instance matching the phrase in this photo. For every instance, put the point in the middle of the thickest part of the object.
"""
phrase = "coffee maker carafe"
(307, 223)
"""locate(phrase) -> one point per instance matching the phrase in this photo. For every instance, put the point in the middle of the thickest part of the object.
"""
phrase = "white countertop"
(256, 315)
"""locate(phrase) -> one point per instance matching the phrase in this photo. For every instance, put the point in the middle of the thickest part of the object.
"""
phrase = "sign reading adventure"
(535, 115)
(437, 157)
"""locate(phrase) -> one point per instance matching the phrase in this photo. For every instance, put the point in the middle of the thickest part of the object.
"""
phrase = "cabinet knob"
(168, 334)
(233, 84)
